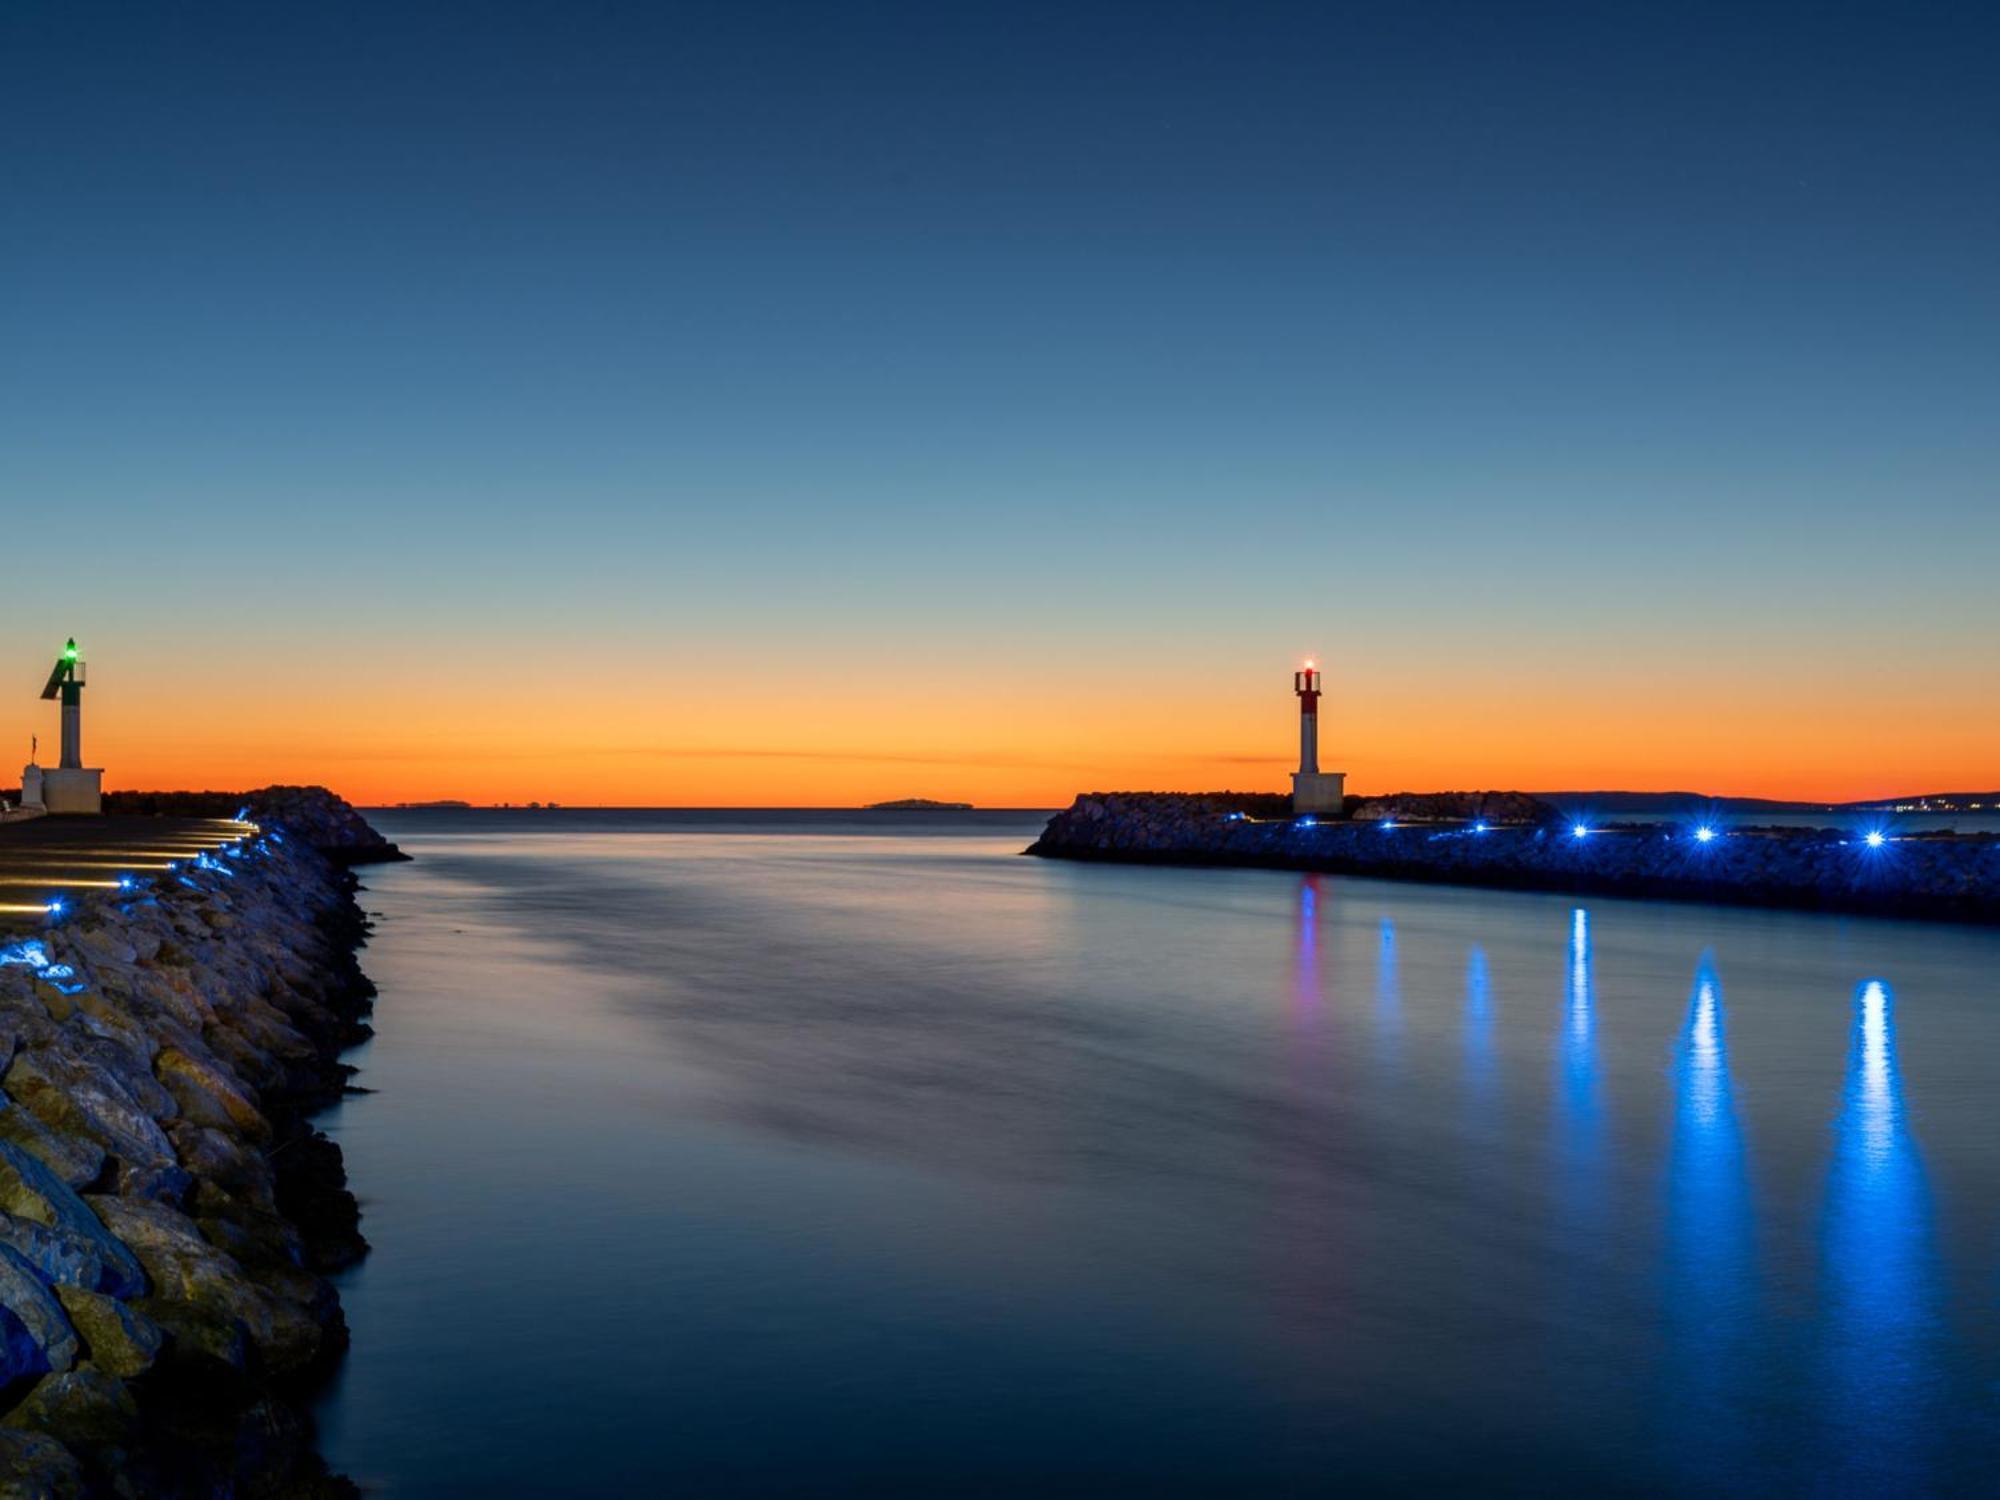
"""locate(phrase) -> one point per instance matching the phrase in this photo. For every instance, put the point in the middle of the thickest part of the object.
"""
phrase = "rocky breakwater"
(311, 813)
(1831, 869)
(167, 1216)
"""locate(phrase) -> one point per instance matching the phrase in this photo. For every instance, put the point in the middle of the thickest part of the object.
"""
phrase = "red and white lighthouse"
(1305, 682)
(1313, 790)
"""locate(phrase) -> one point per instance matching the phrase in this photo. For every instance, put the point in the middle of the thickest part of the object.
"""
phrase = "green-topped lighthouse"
(71, 787)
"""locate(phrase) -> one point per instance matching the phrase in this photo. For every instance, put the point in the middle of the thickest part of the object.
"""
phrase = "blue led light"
(1307, 823)
(1479, 827)
(1704, 834)
(1579, 831)
(57, 907)
(1388, 825)
(32, 955)
(1875, 838)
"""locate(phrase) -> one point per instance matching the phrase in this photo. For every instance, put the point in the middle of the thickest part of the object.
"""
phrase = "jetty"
(176, 987)
(1462, 839)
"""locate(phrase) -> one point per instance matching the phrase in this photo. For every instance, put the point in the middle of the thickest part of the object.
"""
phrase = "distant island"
(917, 804)
(1691, 802)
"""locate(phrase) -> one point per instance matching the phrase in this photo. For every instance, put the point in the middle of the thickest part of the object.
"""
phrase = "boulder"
(34, 1466)
(24, 1294)
(31, 1193)
(79, 1409)
(206, 1095)
(119, 1340)
(78, 1096)
(21, 1357)
(198, 1286)
(73, 1158)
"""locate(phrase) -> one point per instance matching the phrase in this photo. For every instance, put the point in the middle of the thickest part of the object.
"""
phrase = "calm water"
(766, 1156)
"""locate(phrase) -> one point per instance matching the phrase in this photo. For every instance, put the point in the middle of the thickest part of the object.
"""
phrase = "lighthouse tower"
(1313, 790)
(70, 787)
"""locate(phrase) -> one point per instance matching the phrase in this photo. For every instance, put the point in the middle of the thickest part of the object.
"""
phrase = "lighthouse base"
(72, 789)
(1319, 792)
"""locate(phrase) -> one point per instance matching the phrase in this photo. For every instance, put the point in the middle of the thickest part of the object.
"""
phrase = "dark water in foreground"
(816, 1159)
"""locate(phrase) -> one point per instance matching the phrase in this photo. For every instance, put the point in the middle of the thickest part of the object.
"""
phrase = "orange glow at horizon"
(845, 735)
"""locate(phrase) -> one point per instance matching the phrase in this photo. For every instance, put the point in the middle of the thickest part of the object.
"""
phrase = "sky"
(804, 404)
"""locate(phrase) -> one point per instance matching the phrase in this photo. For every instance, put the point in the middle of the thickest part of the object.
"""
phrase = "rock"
(1493, 808)
(71, 1157)
(119, 1340)
(103, 945)
(59, 1258)
(216, 1158)
(207, 1097)
(75, 1095)
(24, 1294)
(196, 1285)
(20, 1354)
(79, 1409)
(31, 1192)
(34, 1466)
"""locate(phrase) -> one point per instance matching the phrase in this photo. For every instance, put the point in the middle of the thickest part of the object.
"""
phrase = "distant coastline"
(1692, 803)
(917, 804)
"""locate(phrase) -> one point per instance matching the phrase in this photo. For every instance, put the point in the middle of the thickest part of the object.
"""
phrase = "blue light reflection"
(1388, 992)
(1579, 1114)
(1880, 1312)
(1479, 1060)
(1305, 973)
(1710, 1285)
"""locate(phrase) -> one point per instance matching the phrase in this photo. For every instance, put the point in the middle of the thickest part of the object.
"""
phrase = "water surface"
(768, 1154)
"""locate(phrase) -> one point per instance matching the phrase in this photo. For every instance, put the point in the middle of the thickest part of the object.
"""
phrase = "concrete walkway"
(44, 860)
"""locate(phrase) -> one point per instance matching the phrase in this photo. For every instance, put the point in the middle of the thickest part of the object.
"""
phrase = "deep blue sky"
(1032, 334)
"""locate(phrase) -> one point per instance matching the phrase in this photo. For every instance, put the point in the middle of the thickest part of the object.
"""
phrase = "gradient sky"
(795, 404)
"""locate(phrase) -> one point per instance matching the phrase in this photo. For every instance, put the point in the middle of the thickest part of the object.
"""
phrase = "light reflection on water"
(1879, 1326)
(1388, 994)
(1711, 1282)
(1479, 1057)
(1580, 1120)
(769, 1161)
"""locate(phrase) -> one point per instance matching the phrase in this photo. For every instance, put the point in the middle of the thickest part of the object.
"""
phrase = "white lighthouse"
(71, 787)
(1313, 790)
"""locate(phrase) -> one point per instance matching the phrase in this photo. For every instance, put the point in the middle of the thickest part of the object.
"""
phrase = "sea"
(838, 1153)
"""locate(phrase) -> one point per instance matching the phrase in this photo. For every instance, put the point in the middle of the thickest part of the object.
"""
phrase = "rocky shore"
(1950, 877)
(167, 1215)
